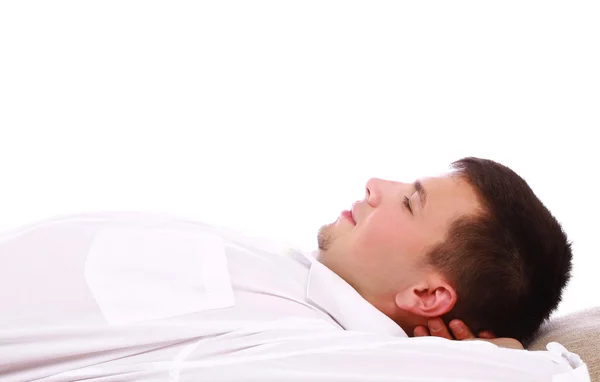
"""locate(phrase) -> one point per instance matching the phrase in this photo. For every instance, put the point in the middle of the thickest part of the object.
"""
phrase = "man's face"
(379, 247)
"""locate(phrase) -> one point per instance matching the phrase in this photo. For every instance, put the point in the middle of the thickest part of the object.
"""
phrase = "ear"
(432, 299)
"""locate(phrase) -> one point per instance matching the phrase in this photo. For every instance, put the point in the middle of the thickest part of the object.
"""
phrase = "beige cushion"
(579, 332)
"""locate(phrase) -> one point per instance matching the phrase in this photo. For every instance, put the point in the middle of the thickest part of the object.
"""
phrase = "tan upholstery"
(579, 332)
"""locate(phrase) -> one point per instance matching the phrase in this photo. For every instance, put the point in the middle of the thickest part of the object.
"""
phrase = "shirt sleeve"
(364, 358)
(579, 371)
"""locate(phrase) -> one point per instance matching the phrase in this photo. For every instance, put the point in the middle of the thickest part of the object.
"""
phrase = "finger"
(486, 334)
(420, 331)
(509, 343)
(438, 328)
(460, 330)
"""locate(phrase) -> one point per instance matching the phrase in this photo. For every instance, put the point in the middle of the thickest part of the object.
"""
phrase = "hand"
(437, 328)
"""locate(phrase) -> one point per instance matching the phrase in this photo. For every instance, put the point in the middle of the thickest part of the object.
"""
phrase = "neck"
(409, 323)
(405, 319)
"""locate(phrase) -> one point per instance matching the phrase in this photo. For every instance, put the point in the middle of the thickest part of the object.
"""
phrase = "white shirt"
(133, 296)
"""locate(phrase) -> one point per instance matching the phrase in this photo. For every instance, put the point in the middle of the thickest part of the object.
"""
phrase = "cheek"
(392, 243)
(384, 234)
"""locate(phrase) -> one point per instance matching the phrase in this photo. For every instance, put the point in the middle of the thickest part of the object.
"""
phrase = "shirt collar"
(338, 298)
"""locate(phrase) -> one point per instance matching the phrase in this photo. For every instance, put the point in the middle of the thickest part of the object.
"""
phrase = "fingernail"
(435, 326)
(456, 326)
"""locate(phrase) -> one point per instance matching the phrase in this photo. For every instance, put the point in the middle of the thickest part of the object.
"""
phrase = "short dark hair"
(509, 262)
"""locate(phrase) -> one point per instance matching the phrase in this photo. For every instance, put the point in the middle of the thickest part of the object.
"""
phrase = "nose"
(373, 191)
(377, 188)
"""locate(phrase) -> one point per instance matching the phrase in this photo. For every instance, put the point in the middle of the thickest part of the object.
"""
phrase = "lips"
(348, 215)
(354, 210)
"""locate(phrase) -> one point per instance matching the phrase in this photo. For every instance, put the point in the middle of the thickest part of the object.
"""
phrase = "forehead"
(449, 196)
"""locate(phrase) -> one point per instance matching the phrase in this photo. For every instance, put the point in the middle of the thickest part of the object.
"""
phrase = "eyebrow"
(421, 191)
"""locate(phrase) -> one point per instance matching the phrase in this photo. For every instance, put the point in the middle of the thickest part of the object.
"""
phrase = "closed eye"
(407, 204)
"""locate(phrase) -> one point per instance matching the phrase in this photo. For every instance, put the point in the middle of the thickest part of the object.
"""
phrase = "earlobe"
(406, 301)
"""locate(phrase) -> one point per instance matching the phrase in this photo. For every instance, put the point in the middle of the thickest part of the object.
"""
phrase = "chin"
(325, 237)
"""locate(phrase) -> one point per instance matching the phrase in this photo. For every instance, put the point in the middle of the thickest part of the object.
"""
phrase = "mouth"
(348, 215)
(353, 210)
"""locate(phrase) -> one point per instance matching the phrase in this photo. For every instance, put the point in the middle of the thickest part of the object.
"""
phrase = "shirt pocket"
(140, 274)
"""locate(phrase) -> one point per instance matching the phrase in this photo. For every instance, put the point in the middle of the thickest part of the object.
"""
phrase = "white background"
(270, 117)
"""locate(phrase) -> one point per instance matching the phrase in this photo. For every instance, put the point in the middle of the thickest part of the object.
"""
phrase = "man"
(134, 296)
(476, 244)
